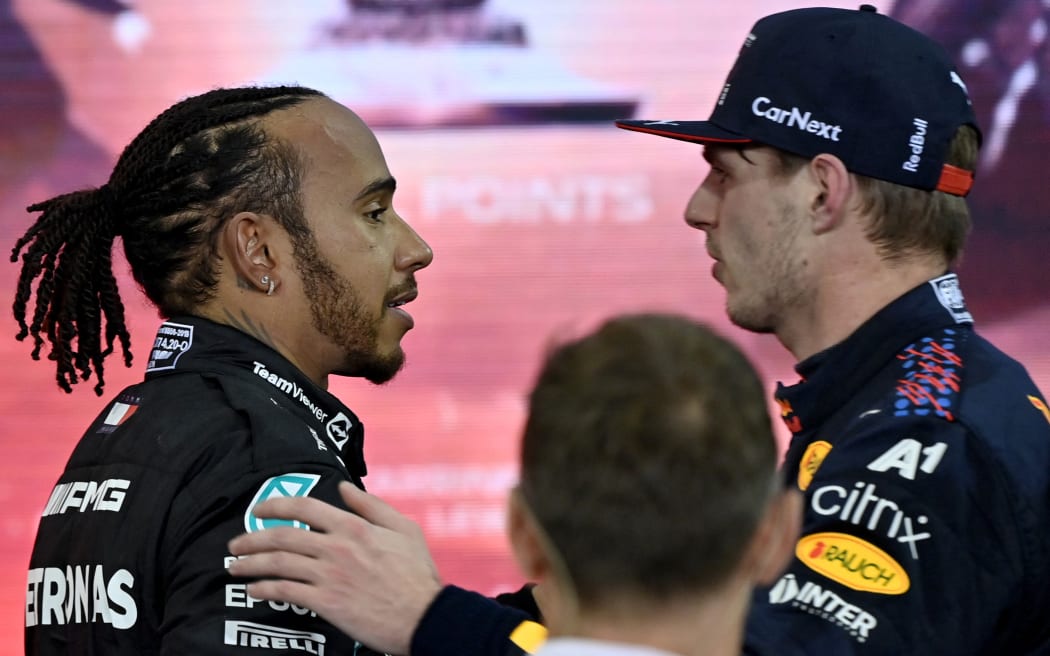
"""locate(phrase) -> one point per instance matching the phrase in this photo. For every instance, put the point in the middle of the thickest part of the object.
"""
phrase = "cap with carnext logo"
(882, 97)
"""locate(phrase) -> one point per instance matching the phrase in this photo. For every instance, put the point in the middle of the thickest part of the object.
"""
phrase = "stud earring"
(270, 285)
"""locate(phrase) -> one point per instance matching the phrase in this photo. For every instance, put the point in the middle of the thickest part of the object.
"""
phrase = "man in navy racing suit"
(841, 148)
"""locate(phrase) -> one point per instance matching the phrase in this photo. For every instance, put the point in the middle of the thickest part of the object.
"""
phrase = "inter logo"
(824, 603)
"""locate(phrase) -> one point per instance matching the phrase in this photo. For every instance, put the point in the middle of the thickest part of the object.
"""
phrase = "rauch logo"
(853, 562)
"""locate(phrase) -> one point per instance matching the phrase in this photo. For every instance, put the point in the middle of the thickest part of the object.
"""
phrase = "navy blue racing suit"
(923, 454)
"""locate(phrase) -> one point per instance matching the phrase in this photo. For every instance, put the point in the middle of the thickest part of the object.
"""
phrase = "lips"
(717, 265)
(404, 297)
(396, 304)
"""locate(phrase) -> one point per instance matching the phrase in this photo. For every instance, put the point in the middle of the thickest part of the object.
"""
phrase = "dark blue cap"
(880, 96)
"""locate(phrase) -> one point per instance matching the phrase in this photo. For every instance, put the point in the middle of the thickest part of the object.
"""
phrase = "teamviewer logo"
(261, 636)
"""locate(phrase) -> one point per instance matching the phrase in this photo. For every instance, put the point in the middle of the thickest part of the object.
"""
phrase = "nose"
(700, 210)
(414, 253)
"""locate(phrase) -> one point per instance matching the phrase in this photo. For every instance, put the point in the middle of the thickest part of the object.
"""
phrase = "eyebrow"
(710, 158)
(387, 184)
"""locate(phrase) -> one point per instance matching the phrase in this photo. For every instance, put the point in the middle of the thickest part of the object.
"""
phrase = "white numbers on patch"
(908, 457)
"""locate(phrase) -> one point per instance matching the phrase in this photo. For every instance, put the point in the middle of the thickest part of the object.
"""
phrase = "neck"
(846, 295)
(265, 328)
(706, 626)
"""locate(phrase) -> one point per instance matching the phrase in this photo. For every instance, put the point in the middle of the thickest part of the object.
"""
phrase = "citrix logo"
(795, 117)
(861, 503)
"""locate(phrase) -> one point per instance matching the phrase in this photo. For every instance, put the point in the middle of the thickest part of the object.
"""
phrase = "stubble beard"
(780, 286)
(337, 313)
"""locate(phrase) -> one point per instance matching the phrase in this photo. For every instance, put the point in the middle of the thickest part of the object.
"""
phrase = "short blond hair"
(906, 220)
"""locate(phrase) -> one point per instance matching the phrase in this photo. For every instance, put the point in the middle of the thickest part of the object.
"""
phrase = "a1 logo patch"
(908, 457)
(285, 485)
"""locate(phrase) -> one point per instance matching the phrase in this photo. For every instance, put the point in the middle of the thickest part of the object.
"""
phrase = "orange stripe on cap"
(955, 181)
(529, 636)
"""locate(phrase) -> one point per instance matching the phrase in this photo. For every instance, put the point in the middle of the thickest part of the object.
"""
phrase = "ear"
(247, 241)
(526, 541)
(773, 544)
(833, 187)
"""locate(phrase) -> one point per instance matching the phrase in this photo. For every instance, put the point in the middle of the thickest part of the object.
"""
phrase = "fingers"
(377, 559)
(272, 564)
(323, 519)
(375, 510)
(291, 591)
(281, 538)
(319, 515)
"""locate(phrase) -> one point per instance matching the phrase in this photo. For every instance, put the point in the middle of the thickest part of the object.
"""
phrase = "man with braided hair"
(259, 221)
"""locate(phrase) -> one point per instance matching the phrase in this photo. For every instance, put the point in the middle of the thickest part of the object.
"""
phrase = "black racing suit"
(131, 556)
(923, 453)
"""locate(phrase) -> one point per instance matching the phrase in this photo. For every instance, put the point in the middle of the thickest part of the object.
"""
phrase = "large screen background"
(544, 219)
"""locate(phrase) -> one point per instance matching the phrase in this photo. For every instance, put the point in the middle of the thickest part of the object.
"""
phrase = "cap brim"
(693, 131)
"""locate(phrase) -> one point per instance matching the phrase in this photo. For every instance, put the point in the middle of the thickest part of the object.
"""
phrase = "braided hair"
(169, 195)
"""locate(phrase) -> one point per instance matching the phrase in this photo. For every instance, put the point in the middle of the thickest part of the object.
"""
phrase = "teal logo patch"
(285, 485)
